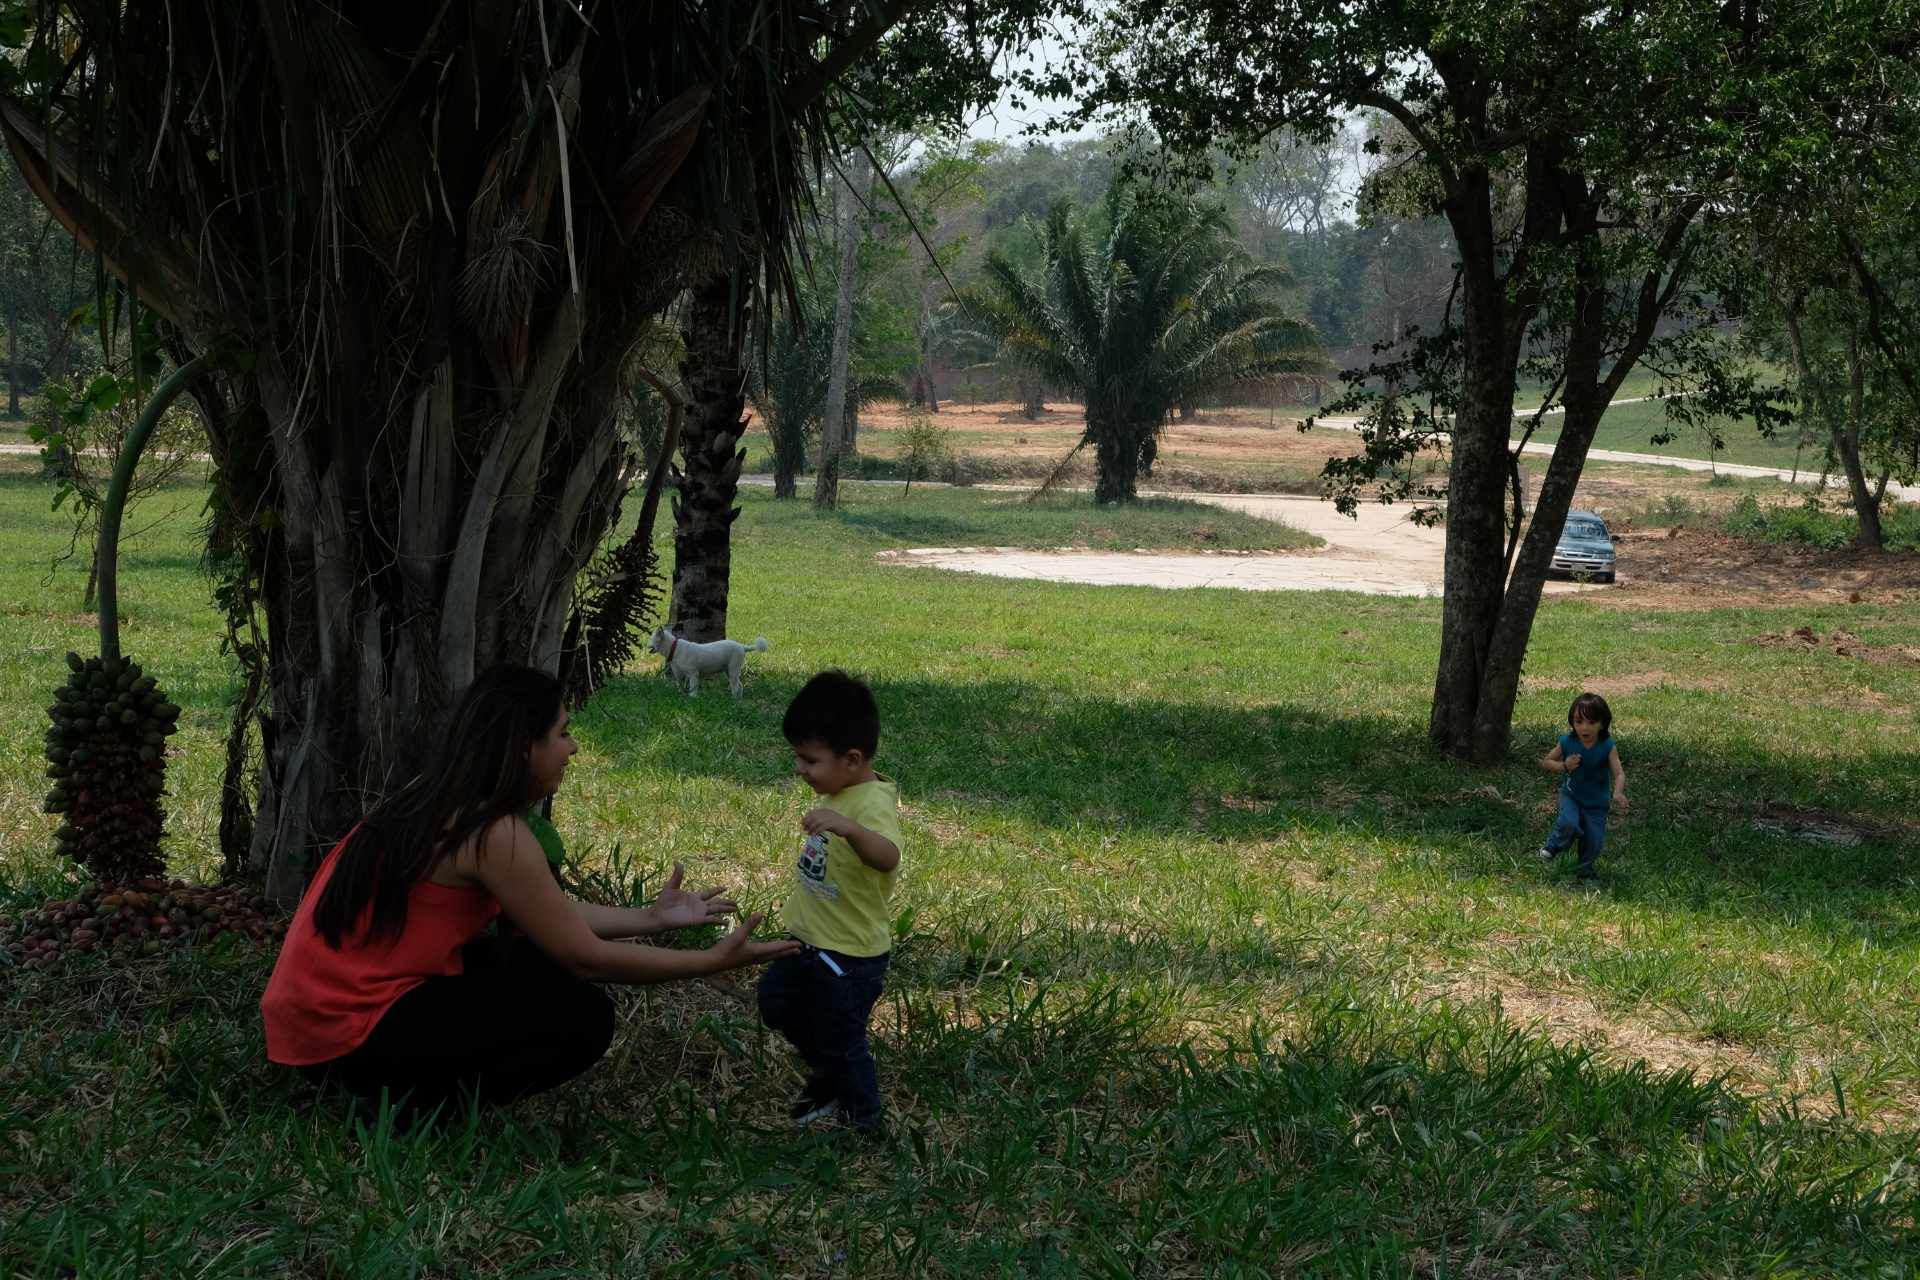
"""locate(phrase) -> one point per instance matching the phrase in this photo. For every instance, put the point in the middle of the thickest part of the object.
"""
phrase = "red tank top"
(322, 1003)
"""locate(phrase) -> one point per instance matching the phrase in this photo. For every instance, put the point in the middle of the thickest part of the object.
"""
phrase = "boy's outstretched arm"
(871, 847)
(1619, 778)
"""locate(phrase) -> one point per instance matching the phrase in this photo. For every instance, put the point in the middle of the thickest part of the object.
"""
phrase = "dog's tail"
(758, 646)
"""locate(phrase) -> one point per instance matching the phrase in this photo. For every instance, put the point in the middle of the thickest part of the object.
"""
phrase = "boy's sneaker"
(816, 1102)
(805, 1112)
(1545, 854)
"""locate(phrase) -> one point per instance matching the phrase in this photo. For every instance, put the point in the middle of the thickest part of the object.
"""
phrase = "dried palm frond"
(503, 274)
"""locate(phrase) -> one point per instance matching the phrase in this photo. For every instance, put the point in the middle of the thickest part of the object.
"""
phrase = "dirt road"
(1379, 552)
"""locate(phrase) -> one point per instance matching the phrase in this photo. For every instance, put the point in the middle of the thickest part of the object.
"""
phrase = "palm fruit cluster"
(106, 755)
(146, 918)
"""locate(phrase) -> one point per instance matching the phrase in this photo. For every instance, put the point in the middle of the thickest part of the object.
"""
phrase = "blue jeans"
(824, 1015)
(1589, 826)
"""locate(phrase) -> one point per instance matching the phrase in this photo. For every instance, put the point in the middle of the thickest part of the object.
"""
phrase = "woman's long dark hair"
(477, 772)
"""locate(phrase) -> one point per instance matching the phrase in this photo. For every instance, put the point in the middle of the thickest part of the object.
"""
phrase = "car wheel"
(1607, 577)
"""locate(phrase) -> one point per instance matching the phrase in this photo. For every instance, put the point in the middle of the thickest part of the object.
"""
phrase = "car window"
(1586, 529)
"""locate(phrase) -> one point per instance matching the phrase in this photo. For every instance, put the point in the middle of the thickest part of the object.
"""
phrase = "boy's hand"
(814, 821)
(1571, 763)
(1620, 801)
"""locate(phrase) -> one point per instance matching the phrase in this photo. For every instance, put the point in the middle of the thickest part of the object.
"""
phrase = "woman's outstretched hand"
(738, 948)
(678, 908)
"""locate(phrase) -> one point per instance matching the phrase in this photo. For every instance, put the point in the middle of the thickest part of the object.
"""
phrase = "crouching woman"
(386, 980)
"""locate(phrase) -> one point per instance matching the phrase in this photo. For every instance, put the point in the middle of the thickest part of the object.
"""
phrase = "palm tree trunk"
(1116, 455)
(703, 511)
(826, 485)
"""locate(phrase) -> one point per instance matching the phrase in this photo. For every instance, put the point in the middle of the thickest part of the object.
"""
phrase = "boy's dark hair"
(836, 709)
(1591, 706)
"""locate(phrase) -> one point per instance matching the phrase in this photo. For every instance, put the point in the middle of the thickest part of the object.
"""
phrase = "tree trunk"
(1031, 403)
(715, 375)
(381, 607)
(1488, 614)
(1475, 555)
(13, 356)
(850, 447)
(826, 485)
(1843, 425)
(1846, 442)
(1116, 455)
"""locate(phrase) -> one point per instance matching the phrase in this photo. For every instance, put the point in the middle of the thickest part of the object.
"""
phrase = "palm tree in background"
(1164, 308)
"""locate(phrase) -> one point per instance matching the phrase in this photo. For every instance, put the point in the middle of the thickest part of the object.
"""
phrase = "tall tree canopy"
(431, 238)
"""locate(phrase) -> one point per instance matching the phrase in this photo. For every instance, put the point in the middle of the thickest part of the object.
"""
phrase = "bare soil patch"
(1703, 569)
(1841, 643)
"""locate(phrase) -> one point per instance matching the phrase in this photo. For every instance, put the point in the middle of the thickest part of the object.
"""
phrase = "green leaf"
(104, 392)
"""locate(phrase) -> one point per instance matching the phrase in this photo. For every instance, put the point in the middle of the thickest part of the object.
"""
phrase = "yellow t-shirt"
(839, 902)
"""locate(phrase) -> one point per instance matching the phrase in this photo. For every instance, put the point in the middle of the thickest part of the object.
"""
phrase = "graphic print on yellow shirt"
(839, 902)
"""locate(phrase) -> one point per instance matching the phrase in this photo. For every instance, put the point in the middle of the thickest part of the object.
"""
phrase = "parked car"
(1585, 549)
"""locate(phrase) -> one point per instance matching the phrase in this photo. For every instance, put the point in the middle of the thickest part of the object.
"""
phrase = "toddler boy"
(821, 997)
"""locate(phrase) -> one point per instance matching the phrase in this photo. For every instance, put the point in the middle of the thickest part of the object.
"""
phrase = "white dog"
(688, 660)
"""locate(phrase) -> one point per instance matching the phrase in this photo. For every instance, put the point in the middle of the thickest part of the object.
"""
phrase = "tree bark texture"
(852, 199)
(715, 375)
(1117, 465)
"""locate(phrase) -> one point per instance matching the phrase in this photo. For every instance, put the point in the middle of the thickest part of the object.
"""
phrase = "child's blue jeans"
(824, 1014)
(1577, 821)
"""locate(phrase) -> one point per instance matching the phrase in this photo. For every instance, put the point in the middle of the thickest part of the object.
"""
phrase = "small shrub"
(1671, 511)
(925, 446)
(1811, 524)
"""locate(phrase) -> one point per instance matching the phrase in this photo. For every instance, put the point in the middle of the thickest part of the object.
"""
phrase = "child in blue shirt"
(1588, 760)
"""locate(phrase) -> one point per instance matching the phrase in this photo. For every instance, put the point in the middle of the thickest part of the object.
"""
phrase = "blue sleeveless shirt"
(1591, 785)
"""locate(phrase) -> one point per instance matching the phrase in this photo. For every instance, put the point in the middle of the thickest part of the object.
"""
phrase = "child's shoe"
(816, 1102)
(805, 1113)
(1545, 854)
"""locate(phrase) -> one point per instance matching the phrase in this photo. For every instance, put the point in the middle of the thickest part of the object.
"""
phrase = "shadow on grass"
(1044, 1130)
(921, 529)
(1071, 762)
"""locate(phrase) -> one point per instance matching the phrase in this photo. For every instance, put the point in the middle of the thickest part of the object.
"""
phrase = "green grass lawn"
(1632, 427)
(1207, 965)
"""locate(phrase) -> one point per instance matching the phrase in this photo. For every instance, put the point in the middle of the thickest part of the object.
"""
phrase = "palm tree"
(791, 393)
(1163, 308)
(423, 244)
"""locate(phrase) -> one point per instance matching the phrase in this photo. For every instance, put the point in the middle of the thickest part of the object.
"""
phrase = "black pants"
(824, 1014)
(515, 1023)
